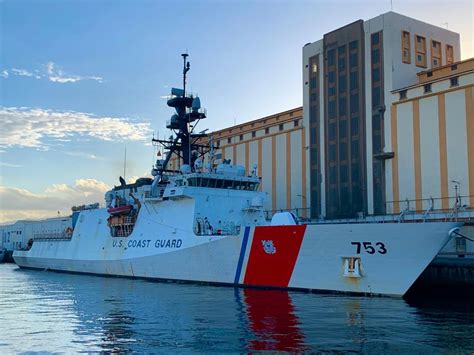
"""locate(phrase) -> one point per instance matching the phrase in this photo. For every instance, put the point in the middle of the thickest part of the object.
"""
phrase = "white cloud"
(29, 127)
(57, 75)
(51, 72)
(8, 165)
(83, 155)
(21, 72)
(18, 203)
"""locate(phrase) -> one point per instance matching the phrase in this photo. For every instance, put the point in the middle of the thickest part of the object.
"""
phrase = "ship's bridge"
(221, 182)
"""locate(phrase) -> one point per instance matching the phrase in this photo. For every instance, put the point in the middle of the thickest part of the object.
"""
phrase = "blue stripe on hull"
(242, 255)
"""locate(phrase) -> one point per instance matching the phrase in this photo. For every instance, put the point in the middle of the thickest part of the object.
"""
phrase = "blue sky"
(80, 80)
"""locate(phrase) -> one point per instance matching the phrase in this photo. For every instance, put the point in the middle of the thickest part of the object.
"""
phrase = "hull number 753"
(370, 248)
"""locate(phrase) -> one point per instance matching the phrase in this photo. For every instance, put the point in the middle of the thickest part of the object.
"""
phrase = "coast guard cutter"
(206, 223)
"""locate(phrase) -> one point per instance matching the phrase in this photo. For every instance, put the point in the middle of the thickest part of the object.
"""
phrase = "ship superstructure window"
(222, 184)
(406, 49)
(449, 54)
(420, 50)
(454, 81)
(435, 54)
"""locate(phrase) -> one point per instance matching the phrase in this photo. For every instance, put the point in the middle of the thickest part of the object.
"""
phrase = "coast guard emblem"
(268, 246)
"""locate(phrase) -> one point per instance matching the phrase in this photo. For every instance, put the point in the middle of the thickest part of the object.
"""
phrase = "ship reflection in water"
(44, 311)
(272, 319)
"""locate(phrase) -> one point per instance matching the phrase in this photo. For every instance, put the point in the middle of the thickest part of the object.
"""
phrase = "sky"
(83, 81)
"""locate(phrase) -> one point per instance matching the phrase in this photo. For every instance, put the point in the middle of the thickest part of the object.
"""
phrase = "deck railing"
(406, 211)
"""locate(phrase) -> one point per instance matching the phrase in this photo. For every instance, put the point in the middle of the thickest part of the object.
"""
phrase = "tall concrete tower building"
(348, 79)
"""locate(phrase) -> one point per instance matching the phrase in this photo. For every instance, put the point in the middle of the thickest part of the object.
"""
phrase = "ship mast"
(185, 143)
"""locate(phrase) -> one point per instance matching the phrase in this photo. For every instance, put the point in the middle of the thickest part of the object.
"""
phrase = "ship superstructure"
(206, 223)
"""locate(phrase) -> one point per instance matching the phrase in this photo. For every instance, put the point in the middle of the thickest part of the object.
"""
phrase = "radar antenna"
(186, 145)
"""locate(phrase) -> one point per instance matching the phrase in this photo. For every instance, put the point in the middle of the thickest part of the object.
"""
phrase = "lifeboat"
(121, 210)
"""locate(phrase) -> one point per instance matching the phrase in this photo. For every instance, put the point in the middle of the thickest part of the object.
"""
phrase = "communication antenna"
(124, 169)
(186, 67)
(125, 164)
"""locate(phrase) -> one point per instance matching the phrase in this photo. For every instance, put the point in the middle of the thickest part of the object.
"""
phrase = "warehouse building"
(432, 138)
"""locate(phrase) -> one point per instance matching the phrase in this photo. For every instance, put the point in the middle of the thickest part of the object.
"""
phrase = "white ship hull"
(326, 257)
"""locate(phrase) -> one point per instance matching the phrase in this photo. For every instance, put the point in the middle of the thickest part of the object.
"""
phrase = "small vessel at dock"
(205, 223)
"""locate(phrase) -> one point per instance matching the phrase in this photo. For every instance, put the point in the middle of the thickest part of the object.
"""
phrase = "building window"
(332, 57)
(435, 54)
(314, 68)
(342, 84)
(429, 74)
(454, 81)
(296, 123)
(420, 48)
(376, 97)
(229, 140)
(218, 143)
(427, 88)
(406, 49)
(449, 54)
(332, 131)
(341, 63)
(354, 126)
(241, 137)
(353, 79)
(254, 134)
(353, 60)
(332, 109)
(342, 129)
(267, 130)
(354, 103)
(376, 74)
(403, 95)
(375, 38)
(454, 67)
(353, 45)
(280, 127)
(375, 56)
(342, 106)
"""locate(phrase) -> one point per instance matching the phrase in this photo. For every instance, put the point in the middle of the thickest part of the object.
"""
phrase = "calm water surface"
(53, 312)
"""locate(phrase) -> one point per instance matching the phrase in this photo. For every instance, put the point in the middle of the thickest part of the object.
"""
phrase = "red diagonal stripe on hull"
(264, 269)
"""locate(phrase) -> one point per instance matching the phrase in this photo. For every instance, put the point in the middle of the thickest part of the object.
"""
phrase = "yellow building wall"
(432, 138)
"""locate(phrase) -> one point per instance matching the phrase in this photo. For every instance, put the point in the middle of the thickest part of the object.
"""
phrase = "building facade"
(348, 77)
(432, 137)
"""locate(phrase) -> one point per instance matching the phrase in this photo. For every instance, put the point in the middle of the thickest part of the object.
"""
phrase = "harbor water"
(56, 312)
